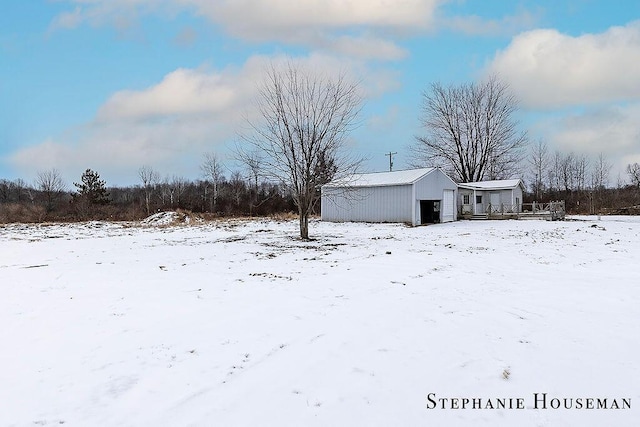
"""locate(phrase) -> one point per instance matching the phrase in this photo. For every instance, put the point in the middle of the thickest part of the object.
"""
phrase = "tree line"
(49, 198)
(584, 183)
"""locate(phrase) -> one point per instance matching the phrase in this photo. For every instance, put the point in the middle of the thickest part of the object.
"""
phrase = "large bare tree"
(304, 120)
(471, 131)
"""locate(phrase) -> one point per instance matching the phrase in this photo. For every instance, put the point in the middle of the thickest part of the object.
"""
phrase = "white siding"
(368, 204)
(430, 187)
(508, 199)
(517, 198)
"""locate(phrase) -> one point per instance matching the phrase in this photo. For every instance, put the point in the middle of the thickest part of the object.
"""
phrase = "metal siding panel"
(430, 187)
(373, 204)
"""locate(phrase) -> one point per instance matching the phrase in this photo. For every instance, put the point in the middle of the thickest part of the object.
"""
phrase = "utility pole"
(390, 154)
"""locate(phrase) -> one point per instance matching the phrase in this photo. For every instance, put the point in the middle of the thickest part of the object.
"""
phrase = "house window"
(479, 199)
(517, 201)
(465, 199)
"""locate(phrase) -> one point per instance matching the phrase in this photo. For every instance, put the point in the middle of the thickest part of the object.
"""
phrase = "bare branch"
(471, 131)
(301, 139)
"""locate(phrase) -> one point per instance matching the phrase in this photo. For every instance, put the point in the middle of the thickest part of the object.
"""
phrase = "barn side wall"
(367, 204)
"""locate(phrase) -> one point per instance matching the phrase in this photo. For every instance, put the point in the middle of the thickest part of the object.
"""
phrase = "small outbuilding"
(417, 196)
(490, 197)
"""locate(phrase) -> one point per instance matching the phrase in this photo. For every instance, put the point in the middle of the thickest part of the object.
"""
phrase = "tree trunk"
(304, 225)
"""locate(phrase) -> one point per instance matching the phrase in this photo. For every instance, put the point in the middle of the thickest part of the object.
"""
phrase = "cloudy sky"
(113, 85)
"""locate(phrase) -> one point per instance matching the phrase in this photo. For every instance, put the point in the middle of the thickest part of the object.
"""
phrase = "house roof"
(381, 179)
(501, 184)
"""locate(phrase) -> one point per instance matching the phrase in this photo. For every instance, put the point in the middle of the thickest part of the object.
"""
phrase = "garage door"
(448, 206)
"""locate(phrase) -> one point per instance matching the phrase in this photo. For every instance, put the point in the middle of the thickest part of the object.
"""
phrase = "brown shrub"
(21, 212)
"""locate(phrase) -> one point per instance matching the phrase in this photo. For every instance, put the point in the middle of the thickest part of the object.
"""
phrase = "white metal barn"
(417, 196)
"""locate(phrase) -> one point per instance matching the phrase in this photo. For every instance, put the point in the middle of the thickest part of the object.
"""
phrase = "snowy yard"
(239, 323)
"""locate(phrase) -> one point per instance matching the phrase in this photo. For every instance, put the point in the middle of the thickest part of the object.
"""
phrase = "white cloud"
(547, 69)
(44, 156)
(68, 20)
(613, 130)
(170, 124)
(187, 37)
(358, 28)
(610, 129)
(476, 25)
(261, 18)
(365, 47)
(181, 92)
(385, 120)
(191, 92)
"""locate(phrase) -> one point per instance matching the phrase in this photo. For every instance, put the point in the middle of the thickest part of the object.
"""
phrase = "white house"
(487, 197)
(417, 196)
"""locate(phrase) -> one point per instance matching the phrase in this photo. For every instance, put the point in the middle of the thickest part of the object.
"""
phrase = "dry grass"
(21, 212)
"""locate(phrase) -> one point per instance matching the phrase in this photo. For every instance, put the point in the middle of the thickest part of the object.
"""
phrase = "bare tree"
(567, 177)
(580, 167)
(50, 183)
(600, 172)
(253, 162)
(150, 179)
(211, 168)
(305, 120)
(471, 131)
(554, 173)
(599, 181)
(539, 163)
(177, 187)
(633, 170)
(20, 188)
(237, 187)
(5, 187)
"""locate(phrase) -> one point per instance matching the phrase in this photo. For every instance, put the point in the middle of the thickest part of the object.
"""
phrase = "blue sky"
(115, 85)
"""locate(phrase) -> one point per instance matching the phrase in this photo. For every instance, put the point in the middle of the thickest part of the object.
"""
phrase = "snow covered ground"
(239, 323)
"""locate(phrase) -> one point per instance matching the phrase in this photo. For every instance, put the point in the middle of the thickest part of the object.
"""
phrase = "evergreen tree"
(92, 189)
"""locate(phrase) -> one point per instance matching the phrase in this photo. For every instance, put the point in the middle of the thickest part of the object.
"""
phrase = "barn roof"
(381, 179)
(501, 184)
